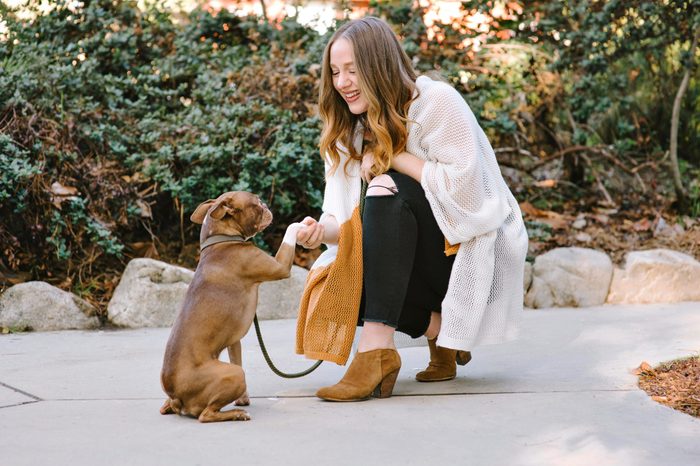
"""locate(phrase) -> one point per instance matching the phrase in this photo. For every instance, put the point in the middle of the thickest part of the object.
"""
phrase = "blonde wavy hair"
(386, 79)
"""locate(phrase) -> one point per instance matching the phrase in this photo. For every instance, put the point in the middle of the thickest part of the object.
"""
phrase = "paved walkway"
(563, 394)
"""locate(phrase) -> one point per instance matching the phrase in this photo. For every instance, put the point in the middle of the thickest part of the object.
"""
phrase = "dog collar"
(215, 239)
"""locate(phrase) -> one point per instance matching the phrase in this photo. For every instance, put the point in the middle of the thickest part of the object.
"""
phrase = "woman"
(434, 188)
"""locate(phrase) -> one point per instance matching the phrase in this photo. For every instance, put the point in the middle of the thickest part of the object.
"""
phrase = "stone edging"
(151, 292)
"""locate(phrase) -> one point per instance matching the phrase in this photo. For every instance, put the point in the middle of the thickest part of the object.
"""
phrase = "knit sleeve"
(461, 178)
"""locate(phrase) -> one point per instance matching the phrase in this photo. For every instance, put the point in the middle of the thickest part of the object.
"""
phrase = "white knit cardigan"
(473, 207)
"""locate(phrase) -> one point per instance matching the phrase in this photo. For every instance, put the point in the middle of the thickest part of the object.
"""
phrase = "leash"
(363, 191)
(216, 239)
(269, 361)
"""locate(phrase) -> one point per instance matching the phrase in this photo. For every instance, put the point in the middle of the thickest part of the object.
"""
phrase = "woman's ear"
(201, 211)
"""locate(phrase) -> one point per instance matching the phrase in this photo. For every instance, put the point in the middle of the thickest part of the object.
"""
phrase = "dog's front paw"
(243, 400)
(290, 236)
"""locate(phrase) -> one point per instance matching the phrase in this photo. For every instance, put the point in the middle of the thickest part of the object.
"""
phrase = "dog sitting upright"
(219, 308)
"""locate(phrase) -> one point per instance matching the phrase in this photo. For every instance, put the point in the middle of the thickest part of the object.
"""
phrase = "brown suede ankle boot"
(463, 357)
(372, 373)
(443, 364)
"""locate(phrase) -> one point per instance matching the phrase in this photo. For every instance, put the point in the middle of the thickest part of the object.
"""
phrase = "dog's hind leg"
(166, 408)
(225, 383)
(171, 407)
(236, 357)
(211, 415)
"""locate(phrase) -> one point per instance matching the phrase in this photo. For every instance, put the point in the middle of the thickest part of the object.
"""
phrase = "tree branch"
(675, 117)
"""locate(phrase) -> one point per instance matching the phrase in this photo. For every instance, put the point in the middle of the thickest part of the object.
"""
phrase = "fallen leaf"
(642, 225)
(546, 183)
(60, 190)
(583, 237)
(579, 223)
(145, 208)
(553, 219)
(60, 193)
(646, 368)
(144, 249)
(601, 218)
(605, 211)
(660, 399)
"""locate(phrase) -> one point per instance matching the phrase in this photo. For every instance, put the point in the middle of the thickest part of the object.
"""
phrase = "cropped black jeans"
(406, 272)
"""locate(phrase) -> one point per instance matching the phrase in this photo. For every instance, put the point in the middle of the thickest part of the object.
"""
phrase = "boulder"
(280, 299)
(150, 294)
(42, 307)
(656, 276)
(574, 276)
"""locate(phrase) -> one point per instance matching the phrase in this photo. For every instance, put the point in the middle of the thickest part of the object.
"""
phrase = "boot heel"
(463, 357)
(386, 386)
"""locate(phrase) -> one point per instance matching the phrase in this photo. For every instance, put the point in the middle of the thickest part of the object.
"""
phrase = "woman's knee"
(382, 185)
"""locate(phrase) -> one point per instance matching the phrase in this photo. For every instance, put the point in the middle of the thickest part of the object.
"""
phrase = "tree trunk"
(264, 10)
(681, 195)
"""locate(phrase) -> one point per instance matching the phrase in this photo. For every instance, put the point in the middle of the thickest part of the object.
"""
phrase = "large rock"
(575, 277)
(43, 307)
(150, 294)
(280, 299)
(656, 276)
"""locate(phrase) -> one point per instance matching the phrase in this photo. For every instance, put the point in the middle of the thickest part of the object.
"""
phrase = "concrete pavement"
(562, 394)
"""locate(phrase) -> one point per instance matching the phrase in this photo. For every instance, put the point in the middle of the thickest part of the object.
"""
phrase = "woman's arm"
(408, 164)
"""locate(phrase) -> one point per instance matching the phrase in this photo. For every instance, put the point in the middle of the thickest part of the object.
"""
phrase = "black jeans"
(405, 269)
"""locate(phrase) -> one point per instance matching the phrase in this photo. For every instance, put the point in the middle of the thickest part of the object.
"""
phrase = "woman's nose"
(342, 80)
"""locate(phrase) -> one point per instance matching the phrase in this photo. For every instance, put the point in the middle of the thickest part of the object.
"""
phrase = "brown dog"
(219, 308)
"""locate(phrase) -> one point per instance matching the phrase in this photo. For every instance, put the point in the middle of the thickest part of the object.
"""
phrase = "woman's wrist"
(331, 229)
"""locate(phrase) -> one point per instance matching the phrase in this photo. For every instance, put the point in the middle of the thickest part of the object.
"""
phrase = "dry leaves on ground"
(675, 384)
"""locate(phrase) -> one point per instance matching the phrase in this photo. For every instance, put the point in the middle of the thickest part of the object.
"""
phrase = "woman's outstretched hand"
(310, 236)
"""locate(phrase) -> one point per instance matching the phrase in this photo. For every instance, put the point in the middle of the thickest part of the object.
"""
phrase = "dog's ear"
(201, 211)
(221, 209)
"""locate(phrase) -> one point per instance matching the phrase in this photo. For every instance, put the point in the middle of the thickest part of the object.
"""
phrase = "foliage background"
(117, 120)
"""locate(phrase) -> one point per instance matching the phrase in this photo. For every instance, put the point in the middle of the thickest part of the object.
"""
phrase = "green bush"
(140, 115)
(145, 118)
(16, 173)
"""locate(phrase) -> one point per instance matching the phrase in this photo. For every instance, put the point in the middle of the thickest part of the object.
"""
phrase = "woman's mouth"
(351, 96)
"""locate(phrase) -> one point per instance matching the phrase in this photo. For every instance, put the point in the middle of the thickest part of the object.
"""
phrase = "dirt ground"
(675, 384)
(612, 231)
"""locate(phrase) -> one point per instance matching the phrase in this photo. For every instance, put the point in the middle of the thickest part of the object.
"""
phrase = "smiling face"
(345, 76)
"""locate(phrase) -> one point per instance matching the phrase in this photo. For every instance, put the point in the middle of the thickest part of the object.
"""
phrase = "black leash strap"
(269, 361)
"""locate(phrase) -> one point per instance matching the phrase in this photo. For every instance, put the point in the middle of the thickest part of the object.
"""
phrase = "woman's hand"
(366, 166)
(311, 235)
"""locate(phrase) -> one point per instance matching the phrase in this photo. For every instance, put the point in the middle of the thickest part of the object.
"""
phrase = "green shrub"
(16, 173)
(145, 118)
